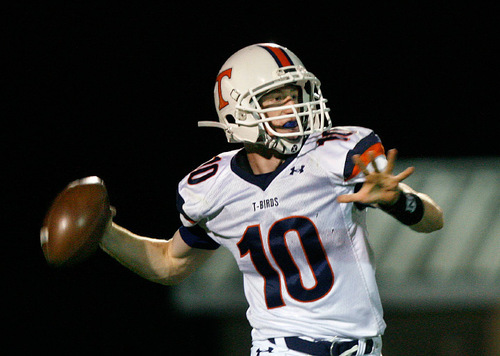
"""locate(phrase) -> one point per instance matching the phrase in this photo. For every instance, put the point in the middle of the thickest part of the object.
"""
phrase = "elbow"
(164, 282)
(438, 221)
(169, 277)
(168, 281)
(159, 272)
(430, 224)
(435, 226)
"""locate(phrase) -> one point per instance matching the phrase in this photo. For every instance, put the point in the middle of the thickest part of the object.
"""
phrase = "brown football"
(75, 222)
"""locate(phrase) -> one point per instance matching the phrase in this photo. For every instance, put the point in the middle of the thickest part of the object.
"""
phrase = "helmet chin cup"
(285, 146)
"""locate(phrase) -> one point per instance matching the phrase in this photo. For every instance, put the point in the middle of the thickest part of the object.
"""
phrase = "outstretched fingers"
(374, 162)
(391, 161)
(362, 166)
(405, 174)
(348, 198)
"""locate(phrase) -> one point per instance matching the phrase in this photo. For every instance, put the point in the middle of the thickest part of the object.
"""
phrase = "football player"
(290, 206)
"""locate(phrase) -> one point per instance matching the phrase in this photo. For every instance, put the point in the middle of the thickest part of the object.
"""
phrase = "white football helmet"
(257, 70)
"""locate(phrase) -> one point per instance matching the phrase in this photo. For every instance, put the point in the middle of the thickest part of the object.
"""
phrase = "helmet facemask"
(310, 112)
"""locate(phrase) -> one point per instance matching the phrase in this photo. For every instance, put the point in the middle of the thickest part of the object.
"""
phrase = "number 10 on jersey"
(252, 243)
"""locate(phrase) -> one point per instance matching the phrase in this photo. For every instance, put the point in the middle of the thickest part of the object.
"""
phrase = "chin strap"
(275, 143)
(212, 124)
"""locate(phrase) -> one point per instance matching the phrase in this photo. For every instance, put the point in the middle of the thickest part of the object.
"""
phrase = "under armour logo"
(295, 170)
(259, 351)
(411, 203)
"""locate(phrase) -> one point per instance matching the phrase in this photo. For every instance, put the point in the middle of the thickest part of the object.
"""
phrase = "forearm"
(144, 256)
(432, 219)
(432, 215)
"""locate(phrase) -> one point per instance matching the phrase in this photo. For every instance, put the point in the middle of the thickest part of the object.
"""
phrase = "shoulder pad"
(194, 191)
(338, 145)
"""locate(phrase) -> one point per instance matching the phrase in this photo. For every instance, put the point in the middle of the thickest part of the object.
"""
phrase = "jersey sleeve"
(194, 207)
(196, 237)
(341, 144)
(192, 231)
(368, 148)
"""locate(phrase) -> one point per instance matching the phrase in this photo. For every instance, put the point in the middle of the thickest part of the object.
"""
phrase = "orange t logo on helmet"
(227, 73)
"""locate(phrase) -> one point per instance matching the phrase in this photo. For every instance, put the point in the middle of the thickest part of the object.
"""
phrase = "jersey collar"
(241, 167)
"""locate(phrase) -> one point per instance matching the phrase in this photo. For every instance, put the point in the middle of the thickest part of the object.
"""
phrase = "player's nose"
(288, 102)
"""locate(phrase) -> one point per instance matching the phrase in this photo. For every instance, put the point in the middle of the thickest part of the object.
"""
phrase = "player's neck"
(263, 160)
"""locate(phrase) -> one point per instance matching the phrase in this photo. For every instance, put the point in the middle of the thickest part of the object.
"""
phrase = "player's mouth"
(289, 126)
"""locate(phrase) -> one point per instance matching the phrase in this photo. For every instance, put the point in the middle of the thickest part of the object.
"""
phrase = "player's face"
(281, 99)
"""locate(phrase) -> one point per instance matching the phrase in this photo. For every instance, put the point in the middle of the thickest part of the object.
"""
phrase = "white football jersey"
(306, 262)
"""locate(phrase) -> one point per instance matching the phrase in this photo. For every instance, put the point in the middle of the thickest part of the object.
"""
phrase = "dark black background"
(116, 90)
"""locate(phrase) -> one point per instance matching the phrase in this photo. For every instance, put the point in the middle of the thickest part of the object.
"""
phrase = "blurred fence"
(458, 265)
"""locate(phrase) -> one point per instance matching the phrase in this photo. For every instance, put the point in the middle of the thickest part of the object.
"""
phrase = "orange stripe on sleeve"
(377, 150)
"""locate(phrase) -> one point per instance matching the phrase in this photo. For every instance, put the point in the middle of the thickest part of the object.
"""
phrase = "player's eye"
(279, 96)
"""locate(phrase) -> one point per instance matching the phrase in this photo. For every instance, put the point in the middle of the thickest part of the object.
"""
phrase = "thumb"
(346, 198)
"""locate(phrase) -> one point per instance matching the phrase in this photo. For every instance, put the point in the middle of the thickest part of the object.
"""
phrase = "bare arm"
(433, 218)
(166, 262)
(383, 189)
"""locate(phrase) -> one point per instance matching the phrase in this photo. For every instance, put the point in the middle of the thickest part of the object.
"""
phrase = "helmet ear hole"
(230, 119)
(308, 92)
(308, 87)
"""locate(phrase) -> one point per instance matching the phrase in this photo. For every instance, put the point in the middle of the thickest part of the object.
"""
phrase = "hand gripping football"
(75, 222)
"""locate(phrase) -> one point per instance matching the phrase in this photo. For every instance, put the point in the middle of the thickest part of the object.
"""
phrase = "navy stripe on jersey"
(241, 167)
(360, 148)
(196, 237)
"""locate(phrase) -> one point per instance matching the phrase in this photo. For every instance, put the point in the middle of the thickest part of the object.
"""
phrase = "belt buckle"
(333, 342)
